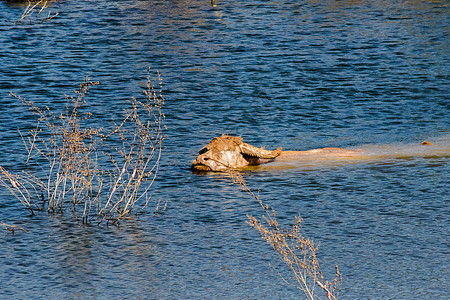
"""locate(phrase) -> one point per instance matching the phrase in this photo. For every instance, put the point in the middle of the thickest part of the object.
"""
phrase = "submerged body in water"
(227, 153)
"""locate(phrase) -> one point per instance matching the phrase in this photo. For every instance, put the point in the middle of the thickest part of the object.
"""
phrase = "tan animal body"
(230, 152)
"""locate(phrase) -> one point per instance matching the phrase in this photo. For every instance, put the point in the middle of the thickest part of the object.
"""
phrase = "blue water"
(296, 74)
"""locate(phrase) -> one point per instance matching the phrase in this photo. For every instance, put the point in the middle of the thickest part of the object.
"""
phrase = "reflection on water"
(440, 147)
(302, 75)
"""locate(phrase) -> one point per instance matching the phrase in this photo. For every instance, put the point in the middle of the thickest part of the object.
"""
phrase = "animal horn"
(259, 152)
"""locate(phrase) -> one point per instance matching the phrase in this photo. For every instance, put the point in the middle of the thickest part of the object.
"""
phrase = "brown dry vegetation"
(84, 168)
(297, 251)
(11, 228)
(35, 10)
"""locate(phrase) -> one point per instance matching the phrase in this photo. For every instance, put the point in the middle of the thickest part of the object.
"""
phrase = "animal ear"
(259, 152)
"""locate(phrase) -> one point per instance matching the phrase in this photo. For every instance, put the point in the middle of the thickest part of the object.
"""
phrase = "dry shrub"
(85, 169)
(297, 251)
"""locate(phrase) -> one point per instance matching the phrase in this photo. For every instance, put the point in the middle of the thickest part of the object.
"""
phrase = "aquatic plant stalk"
(297, 251)
(33, 6)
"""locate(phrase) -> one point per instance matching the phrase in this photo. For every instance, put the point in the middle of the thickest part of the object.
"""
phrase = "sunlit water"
(296, 74)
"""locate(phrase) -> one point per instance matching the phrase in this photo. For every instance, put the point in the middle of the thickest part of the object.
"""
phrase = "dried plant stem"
(32, 6)
(298, 252)
(12, 228)
(12, 183)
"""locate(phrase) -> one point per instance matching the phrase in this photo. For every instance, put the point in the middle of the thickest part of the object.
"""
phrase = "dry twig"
(298, 252)
(12, 228)
(38, 7)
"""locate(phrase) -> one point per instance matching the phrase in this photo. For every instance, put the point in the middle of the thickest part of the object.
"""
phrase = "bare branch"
(297, 251)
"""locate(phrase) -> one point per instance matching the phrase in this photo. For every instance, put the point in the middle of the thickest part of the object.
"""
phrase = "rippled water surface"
(296, 74)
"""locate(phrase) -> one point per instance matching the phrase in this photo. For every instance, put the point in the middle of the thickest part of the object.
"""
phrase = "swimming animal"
(230, 152)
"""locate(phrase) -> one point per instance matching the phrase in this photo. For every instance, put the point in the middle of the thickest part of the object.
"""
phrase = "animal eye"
(203, 150)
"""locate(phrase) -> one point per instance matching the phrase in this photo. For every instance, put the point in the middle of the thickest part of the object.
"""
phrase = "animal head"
(229, 152)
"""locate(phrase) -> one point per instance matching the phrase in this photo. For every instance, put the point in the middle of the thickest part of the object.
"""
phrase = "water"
(294, 74)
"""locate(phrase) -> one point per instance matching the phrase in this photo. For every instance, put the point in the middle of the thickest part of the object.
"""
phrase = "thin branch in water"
(38, 6)
(297, 251)
(12, 228)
